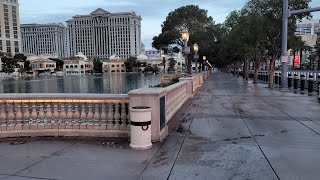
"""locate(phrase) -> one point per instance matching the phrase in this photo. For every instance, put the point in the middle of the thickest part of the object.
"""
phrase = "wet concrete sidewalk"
(233, 129)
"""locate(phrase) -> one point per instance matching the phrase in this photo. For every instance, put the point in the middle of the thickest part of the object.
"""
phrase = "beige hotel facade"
(10, 36)
(101, 34)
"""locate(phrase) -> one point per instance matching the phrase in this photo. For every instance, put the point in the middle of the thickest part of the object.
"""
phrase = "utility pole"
(284, 55)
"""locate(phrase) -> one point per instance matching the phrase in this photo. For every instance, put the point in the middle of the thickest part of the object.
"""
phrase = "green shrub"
(172, 81)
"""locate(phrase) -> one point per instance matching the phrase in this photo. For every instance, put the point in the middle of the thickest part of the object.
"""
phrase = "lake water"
(101, 84)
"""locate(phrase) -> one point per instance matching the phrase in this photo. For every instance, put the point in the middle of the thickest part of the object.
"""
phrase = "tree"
(20, 57)
(253, 34)
(8, 64)
(131, 63)
(59, 63)
(97, 66)
(27, 66)
(200, 26)
(272, 12)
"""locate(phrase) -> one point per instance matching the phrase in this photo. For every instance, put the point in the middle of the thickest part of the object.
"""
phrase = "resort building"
(114, 65)
(44, 39)
(10, 37)
(43, 65)
(78, 64)
(101, 34)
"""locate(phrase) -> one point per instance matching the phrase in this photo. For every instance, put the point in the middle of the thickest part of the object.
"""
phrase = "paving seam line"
(159, 150)
(53, 154)
(185, 136)
(293, 117)
(10, 175)
(254, 138)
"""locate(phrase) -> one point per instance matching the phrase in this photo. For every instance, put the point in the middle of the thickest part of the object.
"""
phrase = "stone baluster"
(45, 115)
(19, 116)
(70, 115)
(110, 113)
(101, 115)
(96, 115)
(68, 112)
(39, 108)
(73, 112)
(64, 115)
(55, 115)
(123, 116)
(7, 110)
(117, 116)
(26, 116)
(3, 117)
(83, 116)
(104, 115)
(33, 116)
(77, 116)
(89, 118)
(128, 117)
(11, 116)
(60, 122)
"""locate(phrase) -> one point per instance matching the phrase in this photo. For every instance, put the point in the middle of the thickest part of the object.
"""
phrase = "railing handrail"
(64, 96)
(174, 86)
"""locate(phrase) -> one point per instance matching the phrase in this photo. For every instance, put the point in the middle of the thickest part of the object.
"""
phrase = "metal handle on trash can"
(142, 124)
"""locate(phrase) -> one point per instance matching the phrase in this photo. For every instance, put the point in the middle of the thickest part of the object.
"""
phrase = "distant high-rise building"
(44, 39)
(10, 37)
(102, 34)
(308, 30)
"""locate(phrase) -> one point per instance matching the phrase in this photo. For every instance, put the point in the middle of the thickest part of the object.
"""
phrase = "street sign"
(284, 59)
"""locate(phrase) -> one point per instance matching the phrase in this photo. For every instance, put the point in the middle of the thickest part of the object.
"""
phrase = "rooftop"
(42, 25)
(103, 13)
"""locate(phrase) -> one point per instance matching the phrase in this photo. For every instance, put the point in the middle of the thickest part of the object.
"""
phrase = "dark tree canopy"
(131, 63)
(196, 20)
(20, 57)
(201, 27)
(97, 66)
(253, 34)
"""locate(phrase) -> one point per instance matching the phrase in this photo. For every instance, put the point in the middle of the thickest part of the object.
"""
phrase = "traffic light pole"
(284, 55)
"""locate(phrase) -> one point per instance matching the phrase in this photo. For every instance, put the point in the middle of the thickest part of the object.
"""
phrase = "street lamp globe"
(185, 34)
(196, 47)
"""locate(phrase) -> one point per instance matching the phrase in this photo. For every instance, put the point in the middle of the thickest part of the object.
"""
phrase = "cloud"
(153, 12)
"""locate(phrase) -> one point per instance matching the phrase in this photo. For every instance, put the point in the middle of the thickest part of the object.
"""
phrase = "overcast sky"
(153, 12)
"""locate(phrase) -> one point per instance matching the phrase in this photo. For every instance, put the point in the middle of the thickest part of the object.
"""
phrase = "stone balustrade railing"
(64, 115)
(176, 96)
(95, 115)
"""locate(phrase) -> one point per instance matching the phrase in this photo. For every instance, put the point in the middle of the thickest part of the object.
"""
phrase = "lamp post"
(186, 49)
(196, 56)
(204, 60)
(164, 63)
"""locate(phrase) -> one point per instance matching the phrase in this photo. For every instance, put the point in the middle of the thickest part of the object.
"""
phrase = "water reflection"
(108, 84)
